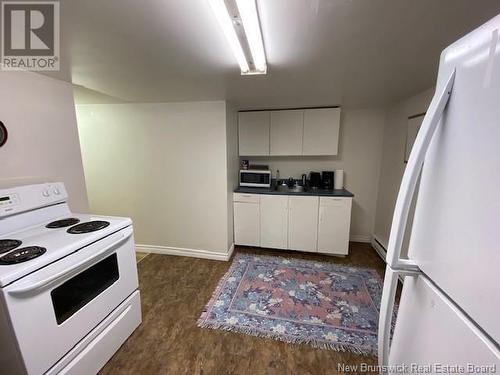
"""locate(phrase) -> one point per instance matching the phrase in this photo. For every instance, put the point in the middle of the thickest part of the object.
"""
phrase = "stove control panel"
(9, 200)
(25, 198)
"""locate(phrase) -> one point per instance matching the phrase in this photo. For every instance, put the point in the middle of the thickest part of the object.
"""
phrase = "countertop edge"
(312, 193)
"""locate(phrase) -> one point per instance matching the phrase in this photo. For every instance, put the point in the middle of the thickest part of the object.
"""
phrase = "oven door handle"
(42, 284)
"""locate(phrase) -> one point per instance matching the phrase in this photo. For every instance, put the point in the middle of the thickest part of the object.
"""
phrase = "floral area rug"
(298, 301)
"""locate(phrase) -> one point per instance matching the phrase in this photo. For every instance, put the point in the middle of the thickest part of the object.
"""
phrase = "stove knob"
(57, 191)
(46, 193)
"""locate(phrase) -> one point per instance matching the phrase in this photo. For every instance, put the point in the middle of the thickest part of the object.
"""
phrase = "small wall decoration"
(414, 123)
(3, 134)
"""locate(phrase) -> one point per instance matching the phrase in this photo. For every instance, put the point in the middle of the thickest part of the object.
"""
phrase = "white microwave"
(255, 178)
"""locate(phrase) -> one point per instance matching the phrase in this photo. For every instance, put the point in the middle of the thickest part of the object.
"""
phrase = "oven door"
(52, 309)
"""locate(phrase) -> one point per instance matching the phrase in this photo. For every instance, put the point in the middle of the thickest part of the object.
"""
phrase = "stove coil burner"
(90, 226)
(22, 254)
(8, 245)
(63, 223)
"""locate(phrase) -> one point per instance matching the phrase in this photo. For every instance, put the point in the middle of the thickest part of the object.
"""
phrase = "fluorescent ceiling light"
(250, 19)
(220, 10)
(246, 42)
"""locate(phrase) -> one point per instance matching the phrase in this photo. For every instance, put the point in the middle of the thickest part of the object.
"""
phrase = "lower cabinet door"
(303, 223)
(274, 221)
(246, 224)
(334, 224)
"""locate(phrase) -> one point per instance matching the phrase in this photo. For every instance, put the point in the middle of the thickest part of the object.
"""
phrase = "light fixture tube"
(250, 19)
(222, 15)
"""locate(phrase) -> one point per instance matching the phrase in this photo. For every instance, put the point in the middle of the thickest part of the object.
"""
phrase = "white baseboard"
(194, 253)
(230, 252)
(360, 238)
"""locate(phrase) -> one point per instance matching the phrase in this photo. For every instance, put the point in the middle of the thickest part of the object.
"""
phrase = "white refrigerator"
(449, 312)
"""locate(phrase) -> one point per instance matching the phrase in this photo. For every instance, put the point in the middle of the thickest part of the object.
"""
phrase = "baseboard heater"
(379, 248)
(381, 251)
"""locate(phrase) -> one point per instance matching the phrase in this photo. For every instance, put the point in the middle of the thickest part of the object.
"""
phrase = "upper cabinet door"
(321, 131)
(286, 132)
(253, 133)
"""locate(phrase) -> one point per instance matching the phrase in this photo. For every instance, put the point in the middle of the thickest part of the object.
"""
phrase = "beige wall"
(166, 166)
(360, 153)
(393, 165)
(43, 144)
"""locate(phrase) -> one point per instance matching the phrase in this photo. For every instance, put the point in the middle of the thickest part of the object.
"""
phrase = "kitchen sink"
(295, 189)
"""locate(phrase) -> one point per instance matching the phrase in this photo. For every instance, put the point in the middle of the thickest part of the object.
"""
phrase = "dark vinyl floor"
(174, 291)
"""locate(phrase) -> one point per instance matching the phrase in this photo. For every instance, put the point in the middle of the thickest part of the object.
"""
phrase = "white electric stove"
(69, 293)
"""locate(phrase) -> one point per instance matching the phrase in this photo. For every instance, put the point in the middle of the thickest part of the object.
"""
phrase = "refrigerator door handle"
(386, 313)
(410, 176)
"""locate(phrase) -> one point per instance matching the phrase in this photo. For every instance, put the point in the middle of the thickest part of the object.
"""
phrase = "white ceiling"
(355, 53)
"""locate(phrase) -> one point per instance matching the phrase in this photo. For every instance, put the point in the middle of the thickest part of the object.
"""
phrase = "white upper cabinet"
(253, 133)
(292, 132)
(321, 131)
(303, 223)
(287, 127)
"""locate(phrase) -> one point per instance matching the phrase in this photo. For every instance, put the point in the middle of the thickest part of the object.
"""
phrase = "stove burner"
(22, 254)
(63, 223)
(8, 245)
(90, 226)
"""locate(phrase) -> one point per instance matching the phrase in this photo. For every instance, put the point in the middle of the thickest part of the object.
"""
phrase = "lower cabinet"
(274, 221)
(334, 224)
(303, 223)
(246, 219)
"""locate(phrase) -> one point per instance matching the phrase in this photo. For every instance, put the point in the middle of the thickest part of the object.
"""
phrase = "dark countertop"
(312, 192)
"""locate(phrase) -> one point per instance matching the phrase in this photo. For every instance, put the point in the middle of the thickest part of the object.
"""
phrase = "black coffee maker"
(315, 180)
(327, 179)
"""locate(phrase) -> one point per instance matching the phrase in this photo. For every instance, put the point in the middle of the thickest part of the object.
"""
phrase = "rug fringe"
(217, 290)
(212, 299)
(289, 340)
